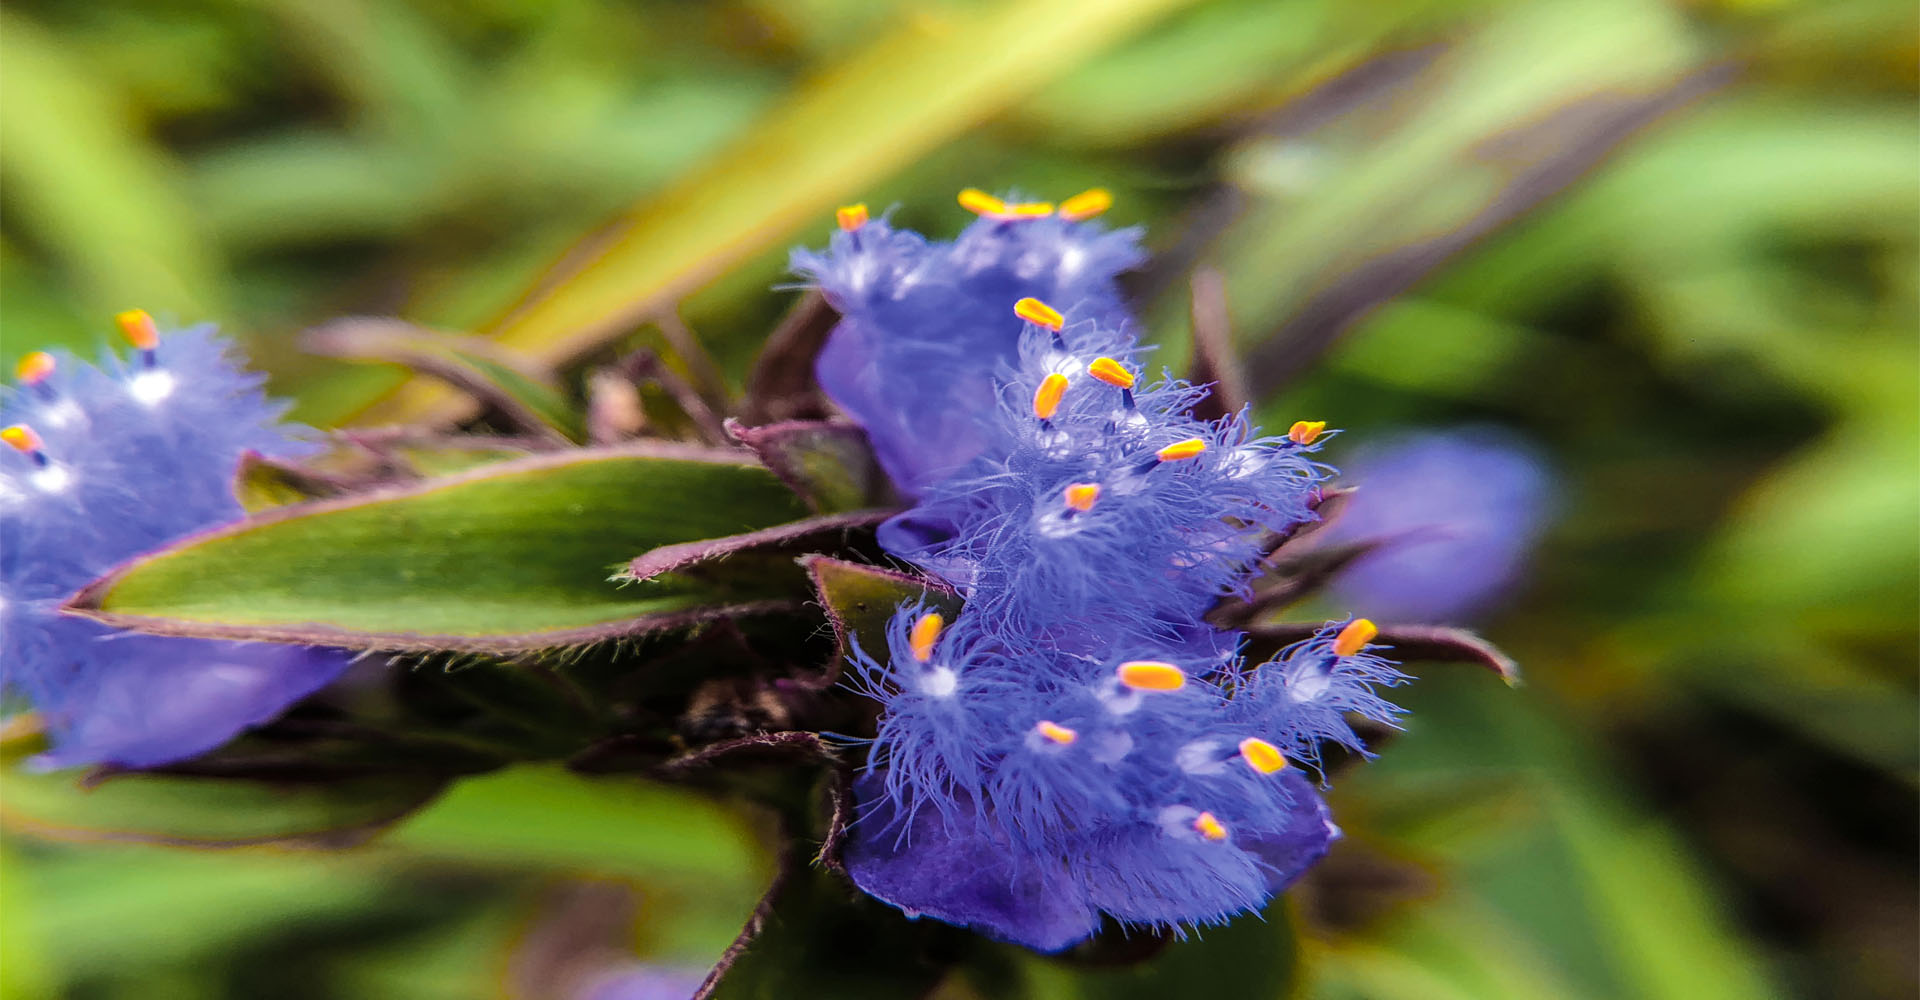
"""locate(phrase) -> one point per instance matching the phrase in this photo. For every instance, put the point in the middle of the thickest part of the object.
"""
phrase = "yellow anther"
(1080, 496)
(1110, 371)
(1181, 449)
(138, 328)
(924, 634)
(22, 439)
(981, 203)
(1039, 313)
(1086, 204)
(1046, 399)
(1030, 210)
(34, 368)
(851, 217)
(1262, 756)
(1354, 637)
(1209, 826)
(1304, 431)
(1151, 675)
(1056, 733)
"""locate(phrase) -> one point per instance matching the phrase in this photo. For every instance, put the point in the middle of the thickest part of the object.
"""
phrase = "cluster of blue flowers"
(1078, 741)
(105, 463)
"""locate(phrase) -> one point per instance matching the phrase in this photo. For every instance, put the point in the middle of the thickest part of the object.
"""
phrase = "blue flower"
(925, 327)
(1100, 502)
(1457, 514)
(106, 462)
(1024, 791)
(1079, 744)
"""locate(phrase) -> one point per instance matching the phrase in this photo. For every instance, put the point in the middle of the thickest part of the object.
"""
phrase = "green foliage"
(1695, 287)
(508, 556)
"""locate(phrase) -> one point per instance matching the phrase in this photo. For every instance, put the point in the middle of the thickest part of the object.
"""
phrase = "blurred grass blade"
(508, 556)
(938, 75)
(536, 816)
(526, 393)
(81, 181)
(207, 812)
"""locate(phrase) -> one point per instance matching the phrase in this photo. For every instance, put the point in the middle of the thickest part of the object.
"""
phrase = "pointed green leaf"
(860, 600)
(514, 555)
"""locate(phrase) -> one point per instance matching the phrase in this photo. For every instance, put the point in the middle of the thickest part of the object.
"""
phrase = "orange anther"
(1056, 733)
(924, 634)
(34, 368)
(1354, 637)
(1039, 313)
(1181, 449)
(1209, 826)
(1030, 210)
(1086, 204)
(1262, 756)
(1080, 496)
(1151, 675)
(1110, 371)
(138, 328)
(1304, 431)
(851, 217)
(22, 439)
(981, 203)
(1046, 399)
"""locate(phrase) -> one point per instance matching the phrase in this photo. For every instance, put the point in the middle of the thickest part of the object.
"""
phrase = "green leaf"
(207, 812)
(261, 483)
(886, 107)
(829, 464)
(860, 600)
(514, 555)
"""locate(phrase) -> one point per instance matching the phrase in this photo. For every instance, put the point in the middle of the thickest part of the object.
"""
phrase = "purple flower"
(1025, 791)
(1099, 502)
(1457, 514)
(925, 325)
(1079, 744)
(108, 462)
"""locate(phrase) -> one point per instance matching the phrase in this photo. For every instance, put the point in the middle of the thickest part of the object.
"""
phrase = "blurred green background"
(1674, 243)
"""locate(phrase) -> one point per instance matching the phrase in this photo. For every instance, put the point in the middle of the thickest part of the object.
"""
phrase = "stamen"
(1111, 372)
(851, 217)
(26, 441)
(1039, 314)
(1086, 204)
(1151, 675)
(140, 331)
(1262, 756)
(981, 203)
(34, 368)
(1354, 637)
(1056, 733)
(1209, 826)
(1179, 450)
(1046, 399)
(1304, 431)
(924, 634)
(1030, 210)
(1080, 496)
